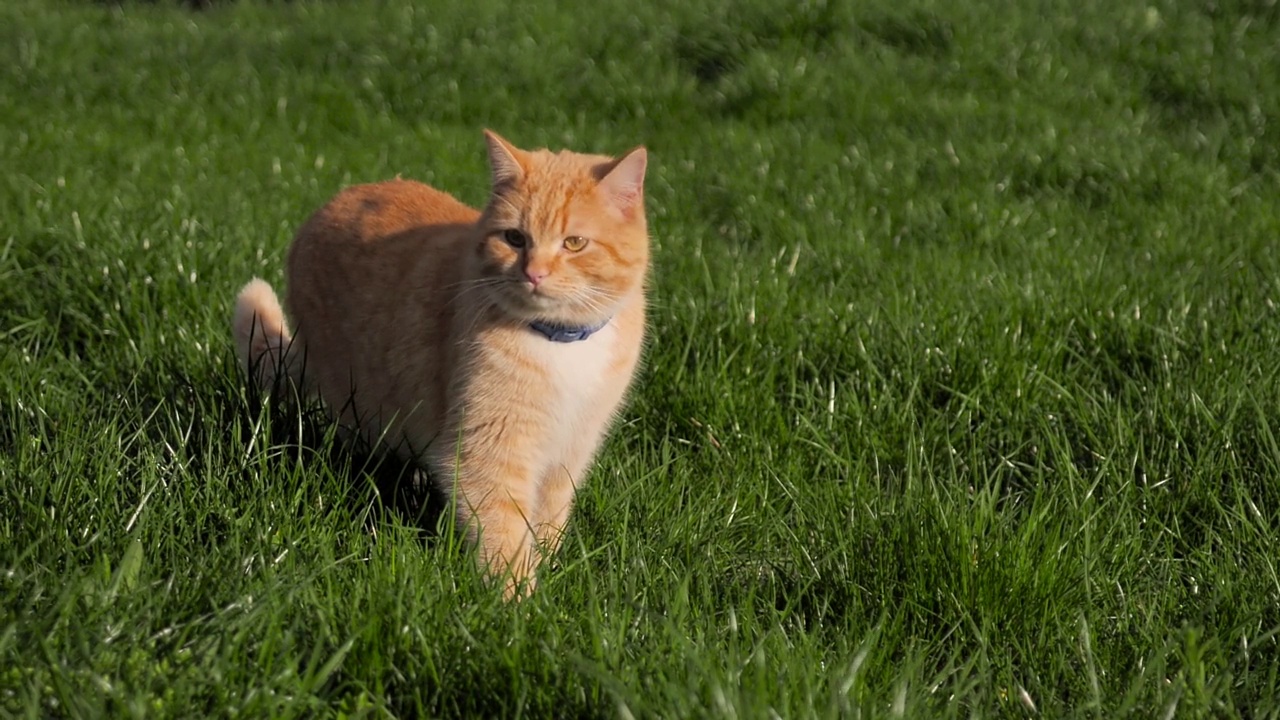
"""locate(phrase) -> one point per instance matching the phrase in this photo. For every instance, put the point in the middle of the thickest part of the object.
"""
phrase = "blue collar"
(565, 333)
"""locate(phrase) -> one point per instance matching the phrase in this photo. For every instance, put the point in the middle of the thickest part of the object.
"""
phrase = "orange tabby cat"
(493, 347)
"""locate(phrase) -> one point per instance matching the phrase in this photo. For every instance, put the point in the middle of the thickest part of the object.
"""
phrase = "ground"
(961, 396)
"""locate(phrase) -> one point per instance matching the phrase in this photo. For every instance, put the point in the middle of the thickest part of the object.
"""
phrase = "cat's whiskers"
(474, 281)
(467, 338)
(471, 286)
(591, 299)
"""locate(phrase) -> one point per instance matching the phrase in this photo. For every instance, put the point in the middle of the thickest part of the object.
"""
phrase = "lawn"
(961, 397)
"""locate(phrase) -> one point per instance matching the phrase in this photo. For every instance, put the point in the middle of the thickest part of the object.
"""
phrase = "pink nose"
(535, 276)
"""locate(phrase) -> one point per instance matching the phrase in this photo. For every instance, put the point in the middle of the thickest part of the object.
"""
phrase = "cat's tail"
(262, 335)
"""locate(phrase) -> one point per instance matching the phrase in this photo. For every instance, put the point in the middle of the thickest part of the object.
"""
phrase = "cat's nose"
(535, 276)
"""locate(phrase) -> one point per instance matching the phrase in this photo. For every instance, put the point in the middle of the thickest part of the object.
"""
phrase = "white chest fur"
(577, 374)
(575, 370)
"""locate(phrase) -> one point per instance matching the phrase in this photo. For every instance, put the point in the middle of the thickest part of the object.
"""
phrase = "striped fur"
(411, 313)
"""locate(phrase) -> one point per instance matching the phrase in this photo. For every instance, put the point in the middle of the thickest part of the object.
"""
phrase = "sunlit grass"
(961, 397)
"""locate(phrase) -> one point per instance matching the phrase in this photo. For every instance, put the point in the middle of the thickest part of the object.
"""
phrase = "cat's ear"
(504, 160)
(623, 182)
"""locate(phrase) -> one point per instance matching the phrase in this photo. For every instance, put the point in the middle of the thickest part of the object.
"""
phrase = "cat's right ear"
(504, 160)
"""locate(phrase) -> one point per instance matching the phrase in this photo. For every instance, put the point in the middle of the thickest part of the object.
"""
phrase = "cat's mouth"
(543, 303)
(534, 293)
(525, 300)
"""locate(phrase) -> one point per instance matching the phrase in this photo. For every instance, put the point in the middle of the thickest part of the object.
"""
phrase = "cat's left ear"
(623, 183)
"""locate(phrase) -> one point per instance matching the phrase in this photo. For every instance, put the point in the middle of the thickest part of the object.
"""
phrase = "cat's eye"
(515, 238)
(574, 243)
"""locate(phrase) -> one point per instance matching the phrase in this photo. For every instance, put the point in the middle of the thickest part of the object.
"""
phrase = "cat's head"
(564, 237)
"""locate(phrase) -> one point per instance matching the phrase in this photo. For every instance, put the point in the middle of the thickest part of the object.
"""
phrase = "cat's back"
(378, 212)
(372, 242)
(375, 258)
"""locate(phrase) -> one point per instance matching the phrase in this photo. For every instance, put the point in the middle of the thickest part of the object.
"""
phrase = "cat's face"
(565, 237)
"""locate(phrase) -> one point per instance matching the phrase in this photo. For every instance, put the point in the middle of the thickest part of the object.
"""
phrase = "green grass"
(962, 394)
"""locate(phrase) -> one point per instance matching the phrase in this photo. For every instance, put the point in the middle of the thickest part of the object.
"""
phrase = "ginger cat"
(492, 347)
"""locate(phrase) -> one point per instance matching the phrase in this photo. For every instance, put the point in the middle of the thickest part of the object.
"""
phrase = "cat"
(492, 347)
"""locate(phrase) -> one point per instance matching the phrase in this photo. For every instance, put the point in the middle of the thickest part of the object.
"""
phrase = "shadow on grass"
(190, 414)
(916, 33)
(403, 488)
(711, 49)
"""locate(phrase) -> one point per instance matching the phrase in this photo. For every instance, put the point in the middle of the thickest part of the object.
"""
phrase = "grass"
(962, 396)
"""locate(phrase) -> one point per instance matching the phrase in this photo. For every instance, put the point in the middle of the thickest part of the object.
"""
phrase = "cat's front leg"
(554, 506)
(500, 528)
(561, 483)
(495, 492)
